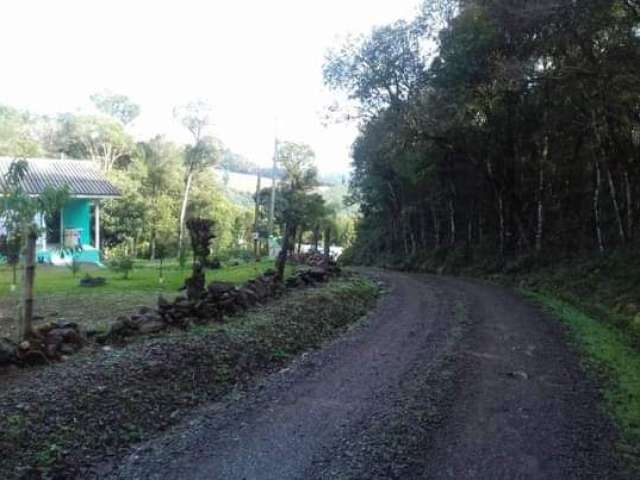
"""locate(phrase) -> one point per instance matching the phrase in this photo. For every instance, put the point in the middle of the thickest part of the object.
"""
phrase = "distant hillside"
(236, 163)
(242, 186)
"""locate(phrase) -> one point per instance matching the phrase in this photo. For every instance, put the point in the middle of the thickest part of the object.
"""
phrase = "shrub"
(120, 262)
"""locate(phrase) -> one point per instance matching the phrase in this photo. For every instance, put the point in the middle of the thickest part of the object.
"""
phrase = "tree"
(101, 139)
(18, 212)
(196, 118)
(17, 137)
(300, 176)
(116, 106)
(160, 159)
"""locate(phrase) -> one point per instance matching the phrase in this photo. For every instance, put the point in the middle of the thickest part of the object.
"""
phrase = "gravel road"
(446, 379)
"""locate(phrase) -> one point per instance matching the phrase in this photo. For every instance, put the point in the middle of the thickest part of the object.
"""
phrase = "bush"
(238, 255)
(120, 262)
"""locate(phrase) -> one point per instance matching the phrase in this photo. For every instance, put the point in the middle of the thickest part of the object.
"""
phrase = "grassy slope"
(606, 287)
(598, 298)
(609, 353)
(96, 405)
(59, 296)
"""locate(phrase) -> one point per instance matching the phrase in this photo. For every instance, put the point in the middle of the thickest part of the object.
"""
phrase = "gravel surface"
(446, 379)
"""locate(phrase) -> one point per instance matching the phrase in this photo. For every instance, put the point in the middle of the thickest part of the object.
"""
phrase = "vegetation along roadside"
(611, 356)
(96, 406)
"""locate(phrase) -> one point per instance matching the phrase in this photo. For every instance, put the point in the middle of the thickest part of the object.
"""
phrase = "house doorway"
(52, 225)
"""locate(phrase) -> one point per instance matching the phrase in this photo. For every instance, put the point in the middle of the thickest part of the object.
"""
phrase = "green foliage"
(504, 127)
(116, 106)
(101, 139)
(120, 261)
(17, 136)
(18, 209)
(201, 233)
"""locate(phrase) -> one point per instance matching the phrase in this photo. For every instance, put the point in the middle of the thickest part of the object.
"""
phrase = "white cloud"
(252, 60)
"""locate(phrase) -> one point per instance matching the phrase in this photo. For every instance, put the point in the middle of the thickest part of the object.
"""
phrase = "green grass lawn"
(60, 296)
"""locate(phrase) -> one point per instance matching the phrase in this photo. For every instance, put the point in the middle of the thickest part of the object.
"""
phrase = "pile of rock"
(218, 300)
(53, 341)
(316, 270)
(211, 305)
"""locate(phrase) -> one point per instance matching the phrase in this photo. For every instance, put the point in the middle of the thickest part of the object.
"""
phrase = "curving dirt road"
(446, 379)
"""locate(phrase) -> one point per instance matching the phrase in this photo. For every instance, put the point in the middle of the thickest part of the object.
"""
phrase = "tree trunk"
(501, 222)
(452, 222)
(281, 261)
(423, 228)
(405, 236)
(629, 200)
(596, 205)
(541, 185)
(436, 227)
(29, 277)
(152, 253)
(327, 242)
(300, 234)
(256, 217)
(183, 211)
(616, 206)
(316, 238)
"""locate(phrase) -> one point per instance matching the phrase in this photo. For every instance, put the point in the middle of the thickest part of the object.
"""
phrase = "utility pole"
(272, 206)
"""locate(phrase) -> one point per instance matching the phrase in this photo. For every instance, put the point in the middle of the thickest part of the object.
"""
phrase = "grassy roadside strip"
(609, 353)
(56, 423)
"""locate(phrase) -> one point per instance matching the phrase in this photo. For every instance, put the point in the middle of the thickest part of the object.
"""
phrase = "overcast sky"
(252, 60)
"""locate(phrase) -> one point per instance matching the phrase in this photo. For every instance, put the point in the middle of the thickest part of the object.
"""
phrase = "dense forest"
(494, 129)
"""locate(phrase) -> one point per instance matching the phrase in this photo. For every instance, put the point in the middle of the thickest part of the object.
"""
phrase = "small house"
(74, 231)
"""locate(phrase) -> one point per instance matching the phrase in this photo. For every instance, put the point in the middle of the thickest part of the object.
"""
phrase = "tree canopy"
(506, 128)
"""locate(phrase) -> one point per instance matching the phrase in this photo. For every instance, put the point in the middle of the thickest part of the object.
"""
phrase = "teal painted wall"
(77, 214)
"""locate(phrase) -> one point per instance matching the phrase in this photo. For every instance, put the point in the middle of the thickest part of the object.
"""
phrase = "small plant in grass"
(74, 266)
(120, 262)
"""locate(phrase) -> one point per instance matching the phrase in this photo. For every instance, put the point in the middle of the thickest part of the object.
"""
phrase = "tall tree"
(101, 139)
(196, 118)
(116, 106)
(18, 213)
(160, 159)
(300, 176)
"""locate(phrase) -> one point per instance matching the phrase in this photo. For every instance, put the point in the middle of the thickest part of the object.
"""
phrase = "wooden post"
(29, 276)
(96, 215)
